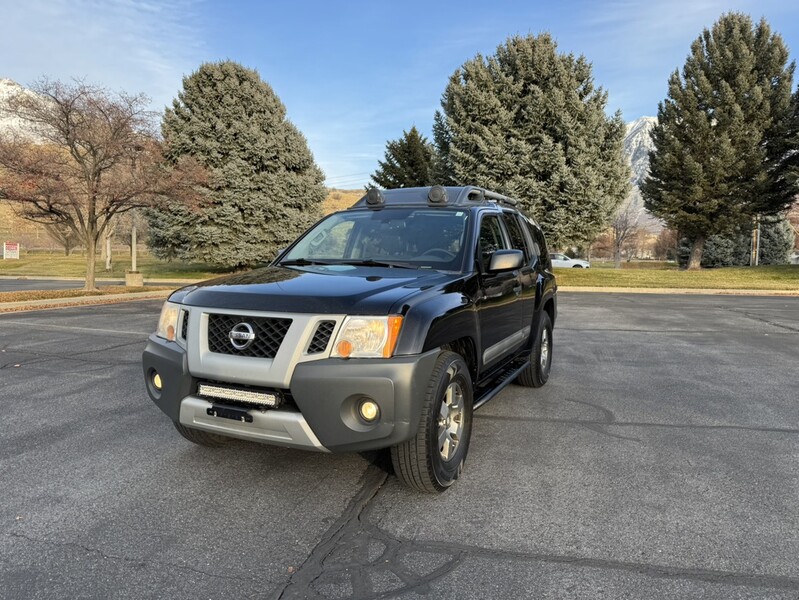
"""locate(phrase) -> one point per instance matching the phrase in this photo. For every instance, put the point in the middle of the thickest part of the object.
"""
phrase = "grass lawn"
(58, 265)
(644, 274)
(663, 275)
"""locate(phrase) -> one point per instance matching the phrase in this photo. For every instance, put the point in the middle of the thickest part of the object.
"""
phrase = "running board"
(506, 377)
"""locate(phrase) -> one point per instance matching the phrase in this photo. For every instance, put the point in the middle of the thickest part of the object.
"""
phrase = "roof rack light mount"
(374, 198)
(437, 195)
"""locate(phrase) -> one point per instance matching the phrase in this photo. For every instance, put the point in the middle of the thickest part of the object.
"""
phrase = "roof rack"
(483, 195)
(431, 196)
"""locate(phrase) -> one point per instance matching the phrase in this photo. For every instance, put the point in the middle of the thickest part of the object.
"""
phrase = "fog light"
(369, 410)
(156, 381)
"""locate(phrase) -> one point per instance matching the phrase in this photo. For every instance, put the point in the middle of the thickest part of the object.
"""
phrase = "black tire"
(201, 438)
(420, 463)
(537, 372)
(577, 267)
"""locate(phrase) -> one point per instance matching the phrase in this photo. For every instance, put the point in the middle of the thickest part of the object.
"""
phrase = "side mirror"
(505, 260)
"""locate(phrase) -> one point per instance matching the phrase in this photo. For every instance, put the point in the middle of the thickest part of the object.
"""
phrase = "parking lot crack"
(589, 423)
(760, 319)
(133, 561)
(750, 580)
(300, 584)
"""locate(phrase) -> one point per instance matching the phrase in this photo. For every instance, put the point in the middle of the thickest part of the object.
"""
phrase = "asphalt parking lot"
(660, 461)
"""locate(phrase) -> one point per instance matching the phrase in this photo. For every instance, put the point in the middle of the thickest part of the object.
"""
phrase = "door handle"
(517, 289)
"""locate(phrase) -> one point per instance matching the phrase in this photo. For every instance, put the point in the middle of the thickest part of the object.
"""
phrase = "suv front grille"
(269, 334)
(184, 327)
(322, 336)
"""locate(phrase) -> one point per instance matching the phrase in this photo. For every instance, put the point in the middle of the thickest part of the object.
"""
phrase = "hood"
(320, 289)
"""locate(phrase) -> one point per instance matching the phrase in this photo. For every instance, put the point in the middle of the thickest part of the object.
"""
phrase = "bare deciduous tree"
(63, 235)
(623, 229)
(90, 155)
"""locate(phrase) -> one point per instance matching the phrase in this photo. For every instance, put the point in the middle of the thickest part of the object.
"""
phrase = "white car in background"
(561, 261)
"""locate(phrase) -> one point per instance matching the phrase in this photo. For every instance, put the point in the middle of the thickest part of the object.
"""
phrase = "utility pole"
(754, 258)
(133, 243)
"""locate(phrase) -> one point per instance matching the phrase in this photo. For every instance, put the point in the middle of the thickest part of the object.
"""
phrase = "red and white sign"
(10, 250)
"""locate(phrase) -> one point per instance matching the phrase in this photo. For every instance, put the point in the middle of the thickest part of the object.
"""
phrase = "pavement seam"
(659, 571)
(312, 567)
(136, 561)
(755, 429)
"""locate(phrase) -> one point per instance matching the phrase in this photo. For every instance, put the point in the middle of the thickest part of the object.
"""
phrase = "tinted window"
(491, 239)
(529, 229)
(516, 236)
(417, 237)
(538, 236)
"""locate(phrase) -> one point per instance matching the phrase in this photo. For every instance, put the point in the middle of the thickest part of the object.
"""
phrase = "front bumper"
(326, 393)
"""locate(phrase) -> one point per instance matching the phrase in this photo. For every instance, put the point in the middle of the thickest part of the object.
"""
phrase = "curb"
(121, 280)
(677, 291)
(50, 303)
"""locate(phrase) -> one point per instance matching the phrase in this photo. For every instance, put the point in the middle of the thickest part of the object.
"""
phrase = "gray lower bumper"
(327, 393)
(285, 428)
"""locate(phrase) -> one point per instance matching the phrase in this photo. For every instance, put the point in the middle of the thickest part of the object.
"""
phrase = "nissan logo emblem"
(241, 336)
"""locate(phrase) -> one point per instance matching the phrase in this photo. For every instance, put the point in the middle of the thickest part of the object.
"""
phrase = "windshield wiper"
(374, 263)
(302, 262)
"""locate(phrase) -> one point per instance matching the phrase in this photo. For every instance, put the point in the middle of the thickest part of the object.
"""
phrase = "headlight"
(168, 322)
(367, 337)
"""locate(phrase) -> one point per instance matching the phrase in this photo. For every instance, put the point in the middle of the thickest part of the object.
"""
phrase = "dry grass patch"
(28, 295)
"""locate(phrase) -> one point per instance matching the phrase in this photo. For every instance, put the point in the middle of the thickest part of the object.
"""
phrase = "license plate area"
(229, 412)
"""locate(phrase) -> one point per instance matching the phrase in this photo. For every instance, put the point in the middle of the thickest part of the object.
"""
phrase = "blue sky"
(355, 74)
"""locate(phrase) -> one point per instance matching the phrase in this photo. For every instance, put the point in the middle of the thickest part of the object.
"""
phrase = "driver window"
(490, 240)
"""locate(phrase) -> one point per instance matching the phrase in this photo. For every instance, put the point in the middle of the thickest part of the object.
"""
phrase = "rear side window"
(517, 239)
(538, 236)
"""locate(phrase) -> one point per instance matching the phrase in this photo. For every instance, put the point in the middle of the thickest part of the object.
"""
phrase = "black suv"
(383, 326)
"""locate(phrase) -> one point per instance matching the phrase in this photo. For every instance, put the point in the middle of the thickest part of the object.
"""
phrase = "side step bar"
(507, 376)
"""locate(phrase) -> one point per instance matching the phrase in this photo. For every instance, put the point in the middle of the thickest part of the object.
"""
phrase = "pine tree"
(442, 165)
(265, 186)
(719, 153)
(528, 122)
(408, 162)
(777, 240)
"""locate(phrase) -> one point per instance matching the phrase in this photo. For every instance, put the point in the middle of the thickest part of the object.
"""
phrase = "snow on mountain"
(637, 145)
(10, 125)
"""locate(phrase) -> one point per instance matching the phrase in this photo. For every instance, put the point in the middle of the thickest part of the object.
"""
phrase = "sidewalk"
(49, 303)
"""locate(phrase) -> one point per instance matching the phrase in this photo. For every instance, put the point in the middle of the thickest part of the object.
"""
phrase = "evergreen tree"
(265, 186)
(442, 166)
(734, 249)
(408, 162)
(720, 141)
(777, 240)
(729, 250)
(528, 122)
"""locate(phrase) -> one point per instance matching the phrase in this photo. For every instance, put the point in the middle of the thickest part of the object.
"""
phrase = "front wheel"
(433, 459)
(537, 372)
(577, 267)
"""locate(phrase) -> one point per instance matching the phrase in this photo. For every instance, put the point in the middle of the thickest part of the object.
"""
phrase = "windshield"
(397, 237)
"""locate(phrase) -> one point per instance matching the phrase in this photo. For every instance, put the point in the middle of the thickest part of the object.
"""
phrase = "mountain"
(637, 145)
(10, 125)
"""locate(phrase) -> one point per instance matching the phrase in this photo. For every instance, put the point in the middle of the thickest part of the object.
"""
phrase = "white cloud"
(120, 44)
